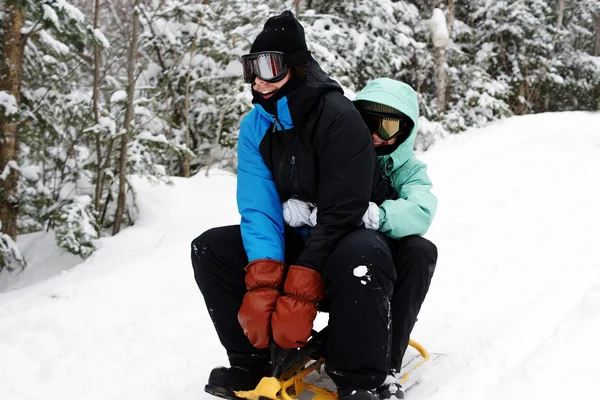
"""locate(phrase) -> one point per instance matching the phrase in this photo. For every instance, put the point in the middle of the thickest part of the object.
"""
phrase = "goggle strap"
(298, 58)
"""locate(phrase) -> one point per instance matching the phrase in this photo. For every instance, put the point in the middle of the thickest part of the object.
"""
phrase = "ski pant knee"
(360, 252)
(419, 253)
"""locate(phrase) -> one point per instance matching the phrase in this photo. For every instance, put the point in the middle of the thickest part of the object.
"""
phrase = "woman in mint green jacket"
(413, 212)
(390, 109)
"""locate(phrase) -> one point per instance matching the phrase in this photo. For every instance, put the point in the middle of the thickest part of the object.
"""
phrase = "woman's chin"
(268, 96)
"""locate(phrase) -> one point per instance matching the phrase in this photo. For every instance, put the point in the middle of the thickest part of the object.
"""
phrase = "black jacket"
(316, 147)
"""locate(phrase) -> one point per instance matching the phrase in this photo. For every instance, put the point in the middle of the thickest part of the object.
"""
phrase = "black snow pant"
(374, 290)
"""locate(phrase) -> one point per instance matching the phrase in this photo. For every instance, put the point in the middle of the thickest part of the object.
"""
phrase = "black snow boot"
(391, 389)
(223, 381)
(356, 394)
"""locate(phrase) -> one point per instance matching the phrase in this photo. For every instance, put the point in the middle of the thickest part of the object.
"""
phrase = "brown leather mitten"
(295, 312)
(264, 278)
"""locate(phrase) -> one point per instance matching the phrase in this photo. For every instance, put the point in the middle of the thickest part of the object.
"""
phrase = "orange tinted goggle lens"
(385, 127)
(388, 128)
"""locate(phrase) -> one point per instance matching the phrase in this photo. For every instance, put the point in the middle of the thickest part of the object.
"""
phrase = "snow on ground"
(514, 305)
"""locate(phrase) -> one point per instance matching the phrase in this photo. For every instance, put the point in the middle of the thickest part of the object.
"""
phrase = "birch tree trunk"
(11, 67)
(133, 49)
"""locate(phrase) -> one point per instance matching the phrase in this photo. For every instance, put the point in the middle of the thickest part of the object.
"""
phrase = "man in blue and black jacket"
(261, 282)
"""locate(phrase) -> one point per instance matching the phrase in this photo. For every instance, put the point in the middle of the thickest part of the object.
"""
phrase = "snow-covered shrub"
(10, 256)
(429, 132)
(75, 226)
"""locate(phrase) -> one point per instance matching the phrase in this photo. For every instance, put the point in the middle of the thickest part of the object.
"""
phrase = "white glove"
(313, 218)
(370, 219)
(296, 212)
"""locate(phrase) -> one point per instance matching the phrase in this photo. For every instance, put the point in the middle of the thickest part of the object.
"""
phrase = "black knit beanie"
(285, 34)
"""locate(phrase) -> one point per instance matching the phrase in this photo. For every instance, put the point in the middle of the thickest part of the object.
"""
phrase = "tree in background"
(11, 61)
(40, 40)
(79, 115)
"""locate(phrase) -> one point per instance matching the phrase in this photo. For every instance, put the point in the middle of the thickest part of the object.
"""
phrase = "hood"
(292, 108)
(403, 98)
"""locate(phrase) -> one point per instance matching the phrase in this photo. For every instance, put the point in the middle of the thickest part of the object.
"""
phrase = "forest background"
(93, 92)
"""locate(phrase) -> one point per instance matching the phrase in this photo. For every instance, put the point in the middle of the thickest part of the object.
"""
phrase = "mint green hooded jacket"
(413, 212)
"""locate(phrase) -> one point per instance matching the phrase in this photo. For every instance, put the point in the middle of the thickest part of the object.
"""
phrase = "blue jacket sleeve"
(258, 200)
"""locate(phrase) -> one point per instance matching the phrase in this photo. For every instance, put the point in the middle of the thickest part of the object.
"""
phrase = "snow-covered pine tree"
(361, 40)
(518, 37)
(474, 96)
(574, 79)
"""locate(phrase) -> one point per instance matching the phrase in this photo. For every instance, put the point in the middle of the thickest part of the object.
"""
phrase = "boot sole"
(221, 392)
(226, 393)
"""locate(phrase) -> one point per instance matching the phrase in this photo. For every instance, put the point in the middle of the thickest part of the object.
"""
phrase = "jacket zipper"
(293, 164)
(292, 158)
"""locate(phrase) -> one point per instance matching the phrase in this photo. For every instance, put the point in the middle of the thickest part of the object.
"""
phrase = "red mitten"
(264, 278)
(292, 321)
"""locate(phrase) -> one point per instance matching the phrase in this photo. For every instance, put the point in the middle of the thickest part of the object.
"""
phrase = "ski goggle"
(386, 126)
(270, 66)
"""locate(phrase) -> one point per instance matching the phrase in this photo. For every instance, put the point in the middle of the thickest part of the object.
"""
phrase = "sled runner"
(297, 374)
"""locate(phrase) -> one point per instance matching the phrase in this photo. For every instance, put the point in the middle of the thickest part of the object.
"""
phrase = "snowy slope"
(515, 302)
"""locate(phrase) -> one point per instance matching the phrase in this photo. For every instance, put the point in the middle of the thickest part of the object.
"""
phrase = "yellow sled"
(287, 383)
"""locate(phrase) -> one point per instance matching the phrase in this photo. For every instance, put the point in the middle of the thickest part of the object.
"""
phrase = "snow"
(361, 271)
(56, 45)
(30, 172)
(9, 103)
(514, 303)
(100, 38)
(50, 14)
(71, 11)
(439, 30)
(118, 96)
(108, 124)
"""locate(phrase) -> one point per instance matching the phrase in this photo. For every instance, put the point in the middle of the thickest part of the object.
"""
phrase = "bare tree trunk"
(440, 41)
(297, 7)
(597, 39)
(218, 138)
(451, 14)
(99, 169)
(440, 81)
(559, 20)
(520, 108)
(11, 67)
(561, 14)
(559, 23)
(121, 200)
(188, 141)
